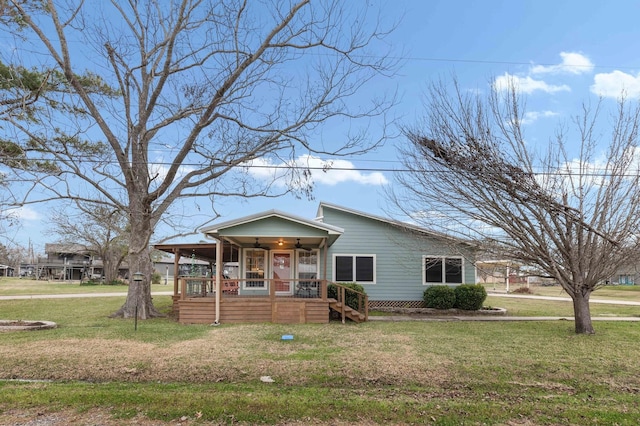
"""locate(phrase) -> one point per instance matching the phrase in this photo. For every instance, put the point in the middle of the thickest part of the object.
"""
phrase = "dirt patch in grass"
(102, 417)
(30, 417)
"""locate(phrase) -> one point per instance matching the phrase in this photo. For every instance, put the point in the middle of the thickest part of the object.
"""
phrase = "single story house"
(284, 263)
(6, 271)
(188, 265)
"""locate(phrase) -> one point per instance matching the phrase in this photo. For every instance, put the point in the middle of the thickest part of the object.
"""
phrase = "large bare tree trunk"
(139, 298)
(582, 313)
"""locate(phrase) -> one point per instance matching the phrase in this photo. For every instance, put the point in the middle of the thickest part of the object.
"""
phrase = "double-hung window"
(442, 270)
(254, 260)
(358, 268)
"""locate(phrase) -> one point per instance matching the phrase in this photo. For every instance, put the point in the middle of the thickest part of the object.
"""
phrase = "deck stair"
(349, 312)
(359, 309)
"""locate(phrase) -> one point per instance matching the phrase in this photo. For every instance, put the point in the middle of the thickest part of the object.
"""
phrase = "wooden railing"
(270, 287)
(196, 286)
(353, 299)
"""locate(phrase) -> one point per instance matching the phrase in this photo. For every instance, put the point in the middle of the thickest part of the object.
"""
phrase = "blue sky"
(561, 53)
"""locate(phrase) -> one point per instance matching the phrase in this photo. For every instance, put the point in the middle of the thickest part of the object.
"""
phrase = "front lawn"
(444, 373)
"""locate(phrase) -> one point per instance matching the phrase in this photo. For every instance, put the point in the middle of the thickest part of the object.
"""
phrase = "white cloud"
(615, 84)
(526, 84)
(533, 116)
(23, 213)
(572, 63)
(324, 172)
(159, 169)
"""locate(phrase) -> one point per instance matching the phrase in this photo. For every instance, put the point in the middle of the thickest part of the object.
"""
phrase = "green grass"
(530, 307)
(441, 373)
(614, 292)
(490, 373)
(19, 287)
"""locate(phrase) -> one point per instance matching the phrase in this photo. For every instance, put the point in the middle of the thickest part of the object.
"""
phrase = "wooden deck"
(196, 303)
(251, 309)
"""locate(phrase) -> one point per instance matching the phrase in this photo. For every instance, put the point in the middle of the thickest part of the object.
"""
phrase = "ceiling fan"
(299, 246)
(259, 245)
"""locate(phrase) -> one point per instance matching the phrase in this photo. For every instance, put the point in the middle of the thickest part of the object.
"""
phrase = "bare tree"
(572, 208)
(194, 90)
(101, 230)
(13, 256)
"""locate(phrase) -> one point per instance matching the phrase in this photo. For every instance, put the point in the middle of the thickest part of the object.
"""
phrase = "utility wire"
(329, 168)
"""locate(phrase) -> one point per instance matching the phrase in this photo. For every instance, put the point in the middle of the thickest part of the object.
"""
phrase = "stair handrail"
(363, 301)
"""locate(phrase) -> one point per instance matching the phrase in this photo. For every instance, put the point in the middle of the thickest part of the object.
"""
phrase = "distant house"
(186, 266)
(6, 271)
(70, 262)
(64, 262)
(284, 263)
(626, 275)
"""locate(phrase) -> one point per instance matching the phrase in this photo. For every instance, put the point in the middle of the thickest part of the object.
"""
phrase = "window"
(308, 264)
(355, 268)
(254, 268)
(626, 279)
(442, 270)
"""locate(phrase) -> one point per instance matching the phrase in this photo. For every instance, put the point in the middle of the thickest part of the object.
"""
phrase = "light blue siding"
(398, 253)
(272, 227)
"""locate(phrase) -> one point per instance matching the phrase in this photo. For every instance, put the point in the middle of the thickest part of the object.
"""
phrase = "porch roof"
(274, 228)
(206, 252)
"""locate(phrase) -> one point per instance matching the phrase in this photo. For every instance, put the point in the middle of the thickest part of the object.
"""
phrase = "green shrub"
(352, 298)
(439, 297)
(91, 282)
(470, 297)
(156, 278)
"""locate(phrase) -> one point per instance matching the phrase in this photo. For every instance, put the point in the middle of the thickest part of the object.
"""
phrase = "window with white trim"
(254, 260)
(442, 270)
(308, 264)
(358, 268)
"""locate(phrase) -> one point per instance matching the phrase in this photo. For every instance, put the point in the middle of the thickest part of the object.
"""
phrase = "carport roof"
(202, 251)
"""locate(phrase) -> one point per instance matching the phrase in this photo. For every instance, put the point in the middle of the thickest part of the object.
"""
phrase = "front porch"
(272, 267)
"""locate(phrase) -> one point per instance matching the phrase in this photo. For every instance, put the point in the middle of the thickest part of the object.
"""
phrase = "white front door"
(282, 272)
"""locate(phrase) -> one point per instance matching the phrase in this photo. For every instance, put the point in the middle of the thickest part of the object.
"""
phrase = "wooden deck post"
(218, 282)
(176, 269)
(272, 299)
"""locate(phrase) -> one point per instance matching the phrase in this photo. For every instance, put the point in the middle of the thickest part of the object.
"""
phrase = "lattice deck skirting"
(375, 304)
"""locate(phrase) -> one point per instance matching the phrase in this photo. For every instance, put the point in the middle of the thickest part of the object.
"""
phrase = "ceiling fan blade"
(299, 246)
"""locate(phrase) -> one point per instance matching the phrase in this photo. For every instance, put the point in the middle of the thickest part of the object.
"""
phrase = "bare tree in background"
(101, 230)
(571, 208)
(13, 256)
(190, 92)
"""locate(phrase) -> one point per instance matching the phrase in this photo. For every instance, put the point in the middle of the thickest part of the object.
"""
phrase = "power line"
(328, 168)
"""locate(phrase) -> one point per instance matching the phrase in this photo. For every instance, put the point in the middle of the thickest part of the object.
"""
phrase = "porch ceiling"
(270, 242)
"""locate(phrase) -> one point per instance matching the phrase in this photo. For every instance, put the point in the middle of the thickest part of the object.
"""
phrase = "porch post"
(176, 268)
(219, 268)
(326, 281)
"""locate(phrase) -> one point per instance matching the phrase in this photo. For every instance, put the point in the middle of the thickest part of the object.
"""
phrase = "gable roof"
(330, 231)
(66, 248)
(392, 222)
